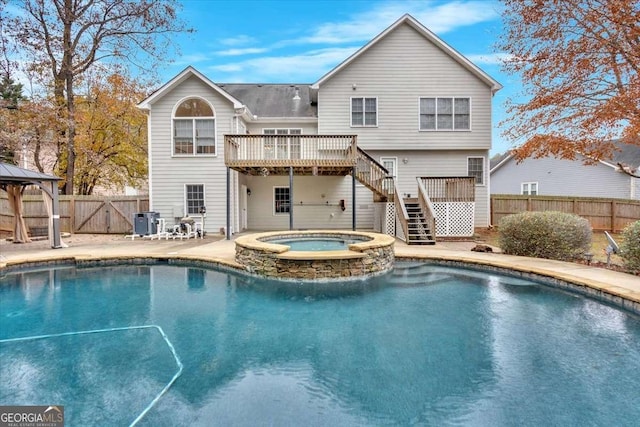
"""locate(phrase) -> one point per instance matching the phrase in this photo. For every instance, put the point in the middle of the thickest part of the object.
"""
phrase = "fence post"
(614, 218)
(529, 204)
(72, 215)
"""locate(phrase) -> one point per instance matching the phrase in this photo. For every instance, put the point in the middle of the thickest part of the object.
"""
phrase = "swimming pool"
(421, 344)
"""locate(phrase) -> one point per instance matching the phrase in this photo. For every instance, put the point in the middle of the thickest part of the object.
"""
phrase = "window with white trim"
(194, 128)
(280, 200)
(282, 147)
(529, 188)
(364, 112)
(445, 113)
(193, 198)
(475, 168)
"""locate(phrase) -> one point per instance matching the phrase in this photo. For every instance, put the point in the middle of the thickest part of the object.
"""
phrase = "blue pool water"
(421, 345)
(315, 244)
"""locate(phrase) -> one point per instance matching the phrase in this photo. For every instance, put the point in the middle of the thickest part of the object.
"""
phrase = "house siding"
(315, 205)
(561, 177)
(398, 70)
(438, 163)
(170, 174)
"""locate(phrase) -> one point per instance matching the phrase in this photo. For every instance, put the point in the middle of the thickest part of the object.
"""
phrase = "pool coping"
(583, 279)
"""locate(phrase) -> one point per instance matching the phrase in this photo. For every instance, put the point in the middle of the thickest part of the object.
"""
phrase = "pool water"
(315, 244)
(421, 345)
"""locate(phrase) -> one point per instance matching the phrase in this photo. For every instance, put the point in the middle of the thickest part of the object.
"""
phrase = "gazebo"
(13, 180)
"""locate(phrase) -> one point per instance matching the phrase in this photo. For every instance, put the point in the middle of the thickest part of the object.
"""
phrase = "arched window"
(194, 128)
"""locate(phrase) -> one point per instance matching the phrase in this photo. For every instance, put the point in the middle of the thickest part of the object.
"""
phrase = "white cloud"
(243, 51)
(238, 40)
(438, 17)
(306, 67)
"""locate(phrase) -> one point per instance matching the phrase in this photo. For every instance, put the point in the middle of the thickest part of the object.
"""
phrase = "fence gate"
(111, 216)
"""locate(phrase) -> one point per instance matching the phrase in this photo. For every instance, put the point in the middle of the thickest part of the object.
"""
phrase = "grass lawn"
(598, 244)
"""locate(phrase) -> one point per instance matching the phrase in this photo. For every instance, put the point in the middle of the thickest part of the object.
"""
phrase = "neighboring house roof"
(13, 175)
(411, 21)
(274, 100)
(496, 160)
(626, 154)
(184, 75)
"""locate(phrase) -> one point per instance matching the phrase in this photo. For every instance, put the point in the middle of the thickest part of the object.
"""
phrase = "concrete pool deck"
(217, 250)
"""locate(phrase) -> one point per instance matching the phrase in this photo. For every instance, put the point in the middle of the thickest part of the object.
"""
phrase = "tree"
(111, 141)
(579, 61)
(67, 38)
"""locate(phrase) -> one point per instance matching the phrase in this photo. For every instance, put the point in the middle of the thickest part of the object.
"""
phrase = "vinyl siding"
(560, 177)
(313, 212)
(398, 70)
(170, 174)
(307, 128)
(438, 163)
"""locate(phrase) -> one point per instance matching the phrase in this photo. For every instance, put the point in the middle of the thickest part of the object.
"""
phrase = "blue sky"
(291, 41)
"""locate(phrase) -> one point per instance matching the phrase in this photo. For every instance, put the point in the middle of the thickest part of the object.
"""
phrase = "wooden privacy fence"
(78, 214)
(603, 214)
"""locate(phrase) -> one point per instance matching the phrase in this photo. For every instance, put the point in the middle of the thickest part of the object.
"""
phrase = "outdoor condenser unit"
(145, 223)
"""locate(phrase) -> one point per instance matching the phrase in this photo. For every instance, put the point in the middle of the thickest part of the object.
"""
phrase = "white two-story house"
(395, 138)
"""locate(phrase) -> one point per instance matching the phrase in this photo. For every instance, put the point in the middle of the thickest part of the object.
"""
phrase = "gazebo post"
(55, 217)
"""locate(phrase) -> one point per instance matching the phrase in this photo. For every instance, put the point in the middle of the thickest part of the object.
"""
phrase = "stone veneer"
(367, 258)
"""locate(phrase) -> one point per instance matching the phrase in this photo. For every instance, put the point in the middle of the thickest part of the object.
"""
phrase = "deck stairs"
(419, 232)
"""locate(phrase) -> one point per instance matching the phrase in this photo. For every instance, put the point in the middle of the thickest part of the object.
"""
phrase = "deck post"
(353, 199)
(290, 197)
(228, 234)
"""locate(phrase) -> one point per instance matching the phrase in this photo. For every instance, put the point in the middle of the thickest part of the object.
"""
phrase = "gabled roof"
(275, 100)
(411, 21)
(626, 154)
(13, 175)
(184, 75)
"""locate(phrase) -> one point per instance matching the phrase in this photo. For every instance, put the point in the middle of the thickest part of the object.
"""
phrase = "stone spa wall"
(366, 258)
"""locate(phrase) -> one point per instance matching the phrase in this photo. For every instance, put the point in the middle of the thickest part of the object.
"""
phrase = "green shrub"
(630, 247)
(552, 235)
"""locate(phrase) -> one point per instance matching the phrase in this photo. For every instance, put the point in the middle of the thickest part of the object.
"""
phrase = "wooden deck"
(263, 155)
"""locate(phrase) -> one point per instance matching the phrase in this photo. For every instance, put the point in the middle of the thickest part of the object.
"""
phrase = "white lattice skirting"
(454, 219)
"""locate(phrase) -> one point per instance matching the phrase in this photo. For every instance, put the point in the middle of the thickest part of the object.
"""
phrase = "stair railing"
(372, 174)
(427, 207)
(401, 211)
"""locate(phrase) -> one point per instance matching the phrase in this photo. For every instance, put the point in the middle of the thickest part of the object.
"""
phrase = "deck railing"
(426, 206)
(290, 150)
(449, 188)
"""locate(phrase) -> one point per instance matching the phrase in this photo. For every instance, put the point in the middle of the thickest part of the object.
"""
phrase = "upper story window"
(284, 146)
(529, 188)
(194, 128)
(445, 113)
(364, 112)
(475, 167)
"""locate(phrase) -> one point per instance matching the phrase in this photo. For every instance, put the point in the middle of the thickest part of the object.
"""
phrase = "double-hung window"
(445, 113)
(286, 146)
(281, 200)
(193, 198)
(194, 128)
(475, 168)
(364, 112)
(529, 188)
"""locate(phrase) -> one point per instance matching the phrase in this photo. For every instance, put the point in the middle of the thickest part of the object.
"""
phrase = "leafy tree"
(579, 61)
(111, 140)
(64, 39)
(10, 92)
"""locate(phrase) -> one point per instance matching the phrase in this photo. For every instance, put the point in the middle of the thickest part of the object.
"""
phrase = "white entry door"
(390, 164)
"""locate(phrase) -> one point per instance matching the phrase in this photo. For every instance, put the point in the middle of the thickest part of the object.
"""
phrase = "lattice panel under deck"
(454, 219)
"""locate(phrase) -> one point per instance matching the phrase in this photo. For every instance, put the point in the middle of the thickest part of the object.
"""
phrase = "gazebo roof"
(13, 175)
